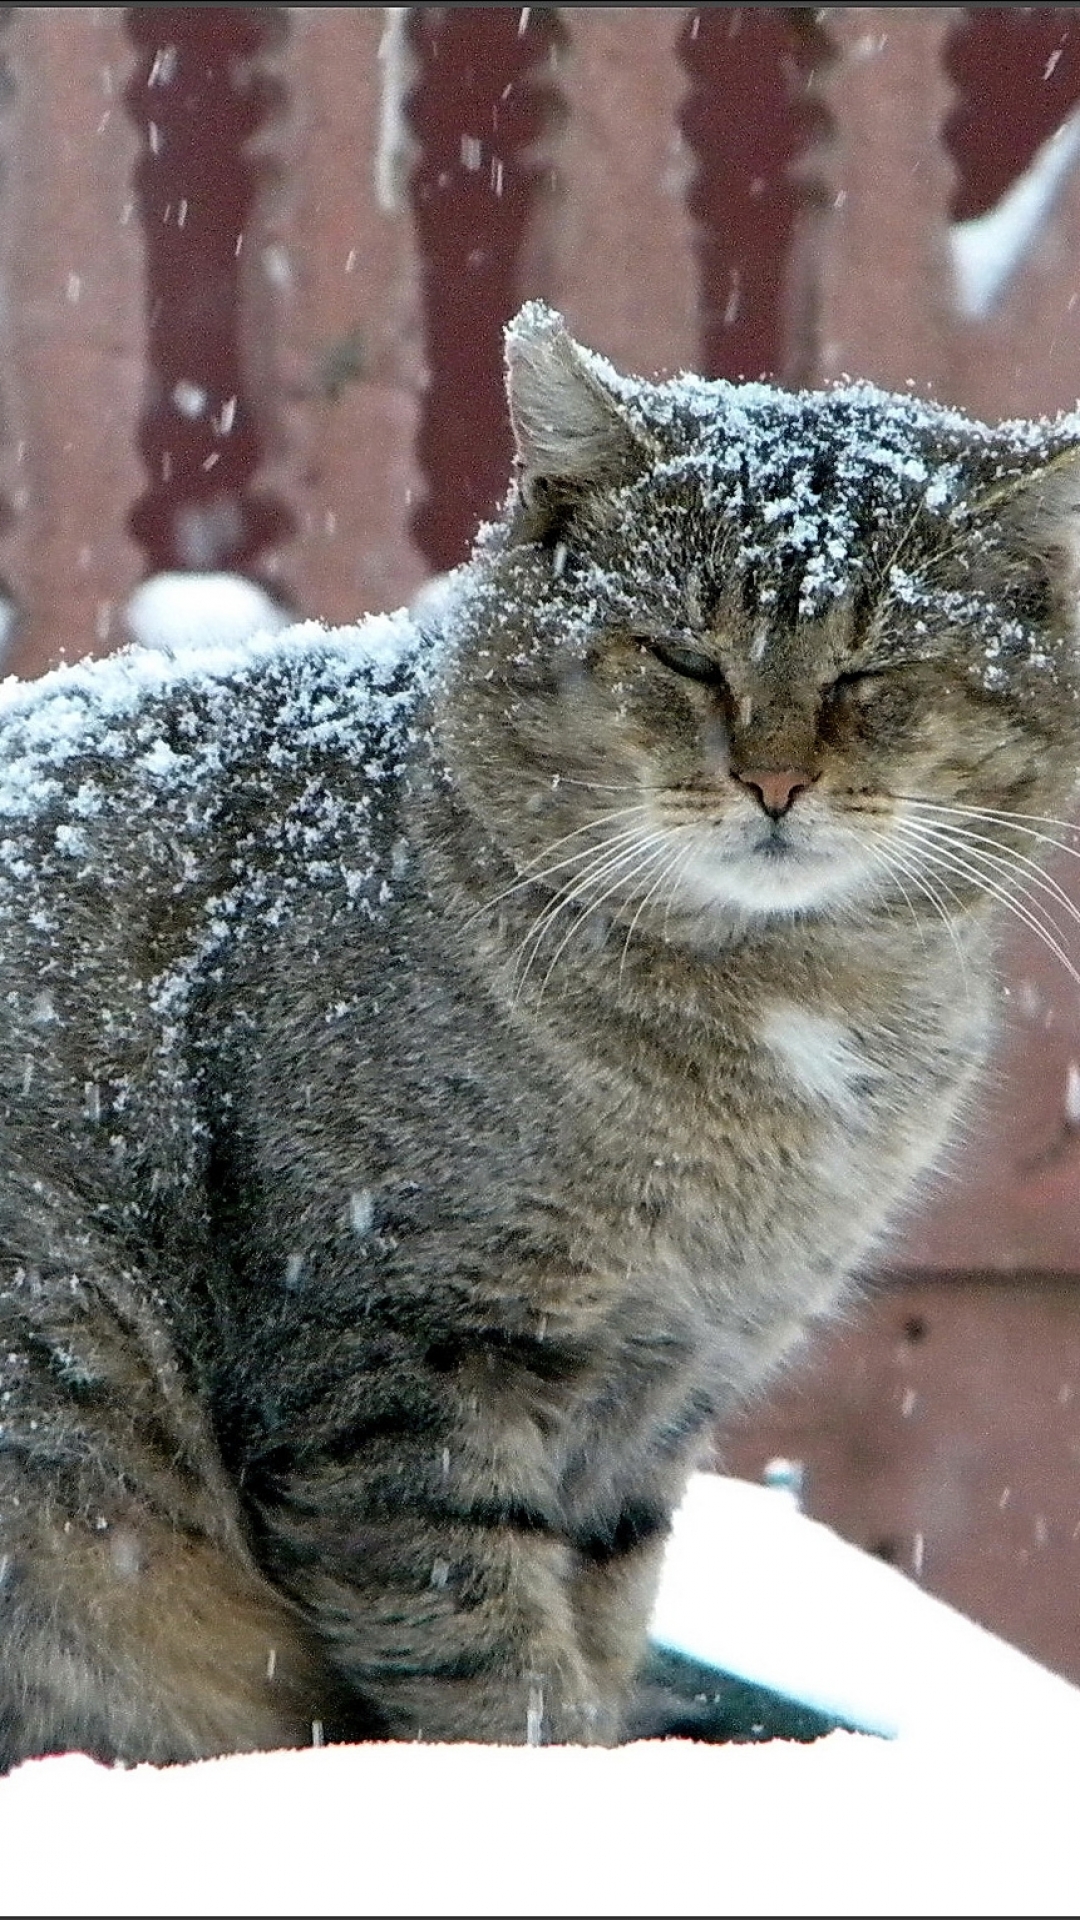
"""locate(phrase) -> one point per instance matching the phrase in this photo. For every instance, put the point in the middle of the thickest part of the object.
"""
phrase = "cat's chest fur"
(755, 1159)
(671, 1172)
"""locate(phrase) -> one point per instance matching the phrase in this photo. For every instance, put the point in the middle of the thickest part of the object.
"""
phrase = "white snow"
(173, 610)
(970, 1811)
(752, 1586)
(988, 251)
(189, 399)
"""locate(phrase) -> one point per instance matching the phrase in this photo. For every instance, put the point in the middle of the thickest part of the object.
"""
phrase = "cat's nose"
(775, 787)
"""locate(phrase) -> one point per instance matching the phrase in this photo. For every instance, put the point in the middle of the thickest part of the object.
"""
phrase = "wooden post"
(612, 245)
(72, 331)
(332, 315)
(878, 244)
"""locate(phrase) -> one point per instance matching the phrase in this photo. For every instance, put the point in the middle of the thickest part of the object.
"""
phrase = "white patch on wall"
(818, 1054)
(988, 251)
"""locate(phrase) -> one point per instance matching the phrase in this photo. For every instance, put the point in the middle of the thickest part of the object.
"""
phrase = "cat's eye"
(689, 662)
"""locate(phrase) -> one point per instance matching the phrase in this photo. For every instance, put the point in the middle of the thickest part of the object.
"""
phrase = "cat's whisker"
(604, 864)
(665, 871)
(533, 876)
(619, 882)
(599, 786)
(1013, 867)
(617, 885)
(1009, 861)
(895, 862)
(948, 860)
(680, 869)
(1002, 816)
(552, 907)
(896, 871)
(986, 883)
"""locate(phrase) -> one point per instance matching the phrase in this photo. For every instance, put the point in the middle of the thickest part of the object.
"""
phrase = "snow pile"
(752, 1586)
(954, 1817)
(847, 1826)
(173, 610)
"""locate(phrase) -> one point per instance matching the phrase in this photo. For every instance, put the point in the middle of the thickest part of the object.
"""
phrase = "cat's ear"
(570, 429)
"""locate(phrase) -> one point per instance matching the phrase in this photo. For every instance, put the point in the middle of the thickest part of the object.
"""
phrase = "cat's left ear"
(571, 430)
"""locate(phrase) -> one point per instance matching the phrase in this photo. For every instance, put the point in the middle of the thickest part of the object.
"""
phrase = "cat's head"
(736, 649)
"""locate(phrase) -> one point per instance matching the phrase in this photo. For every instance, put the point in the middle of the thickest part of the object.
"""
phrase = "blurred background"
(254, 266)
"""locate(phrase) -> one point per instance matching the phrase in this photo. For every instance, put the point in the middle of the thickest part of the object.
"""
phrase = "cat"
(450, 1064)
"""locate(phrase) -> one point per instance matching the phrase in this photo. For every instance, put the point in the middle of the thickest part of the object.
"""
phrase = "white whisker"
(666, 869)
(533, 876)
(619, 881)
(946, 859)
(606, 863)
(1001, 816)
(1006, 859)
(930, 892)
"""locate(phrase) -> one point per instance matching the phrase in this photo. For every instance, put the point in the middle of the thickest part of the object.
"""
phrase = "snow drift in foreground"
(971, 1810)
(850, 1825)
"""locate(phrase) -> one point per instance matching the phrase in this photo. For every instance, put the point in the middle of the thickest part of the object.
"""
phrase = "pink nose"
(775, 787)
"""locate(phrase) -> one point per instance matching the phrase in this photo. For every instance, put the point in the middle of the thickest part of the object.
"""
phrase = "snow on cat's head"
(736, 648)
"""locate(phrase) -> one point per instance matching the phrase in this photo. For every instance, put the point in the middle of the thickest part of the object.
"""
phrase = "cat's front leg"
(613, 1594)
(621, 1519)
(448, 1609)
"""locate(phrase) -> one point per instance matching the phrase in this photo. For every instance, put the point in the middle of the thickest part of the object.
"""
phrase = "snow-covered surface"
(989, 250)
(957, 1816)
(850, 1825)
(753, 1586)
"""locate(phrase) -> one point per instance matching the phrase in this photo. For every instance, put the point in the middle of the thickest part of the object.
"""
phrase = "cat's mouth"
(774, 843)
(784, 866)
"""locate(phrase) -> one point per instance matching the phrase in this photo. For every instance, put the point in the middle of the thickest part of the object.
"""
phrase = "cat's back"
(157, 810)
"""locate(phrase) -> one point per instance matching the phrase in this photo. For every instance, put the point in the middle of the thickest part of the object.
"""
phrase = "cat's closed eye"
(689, 662)
(875, 695)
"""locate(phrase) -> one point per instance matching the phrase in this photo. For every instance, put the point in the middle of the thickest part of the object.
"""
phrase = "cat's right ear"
(570, 430)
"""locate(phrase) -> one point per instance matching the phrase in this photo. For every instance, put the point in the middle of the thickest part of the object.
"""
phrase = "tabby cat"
(448, 1064)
